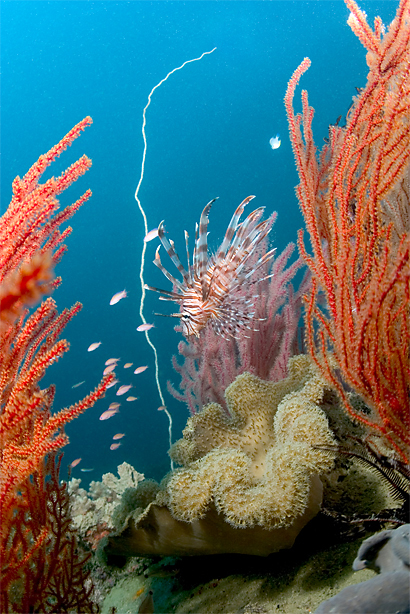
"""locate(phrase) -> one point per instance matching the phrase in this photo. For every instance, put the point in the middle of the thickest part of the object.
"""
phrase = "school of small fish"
(110, 366)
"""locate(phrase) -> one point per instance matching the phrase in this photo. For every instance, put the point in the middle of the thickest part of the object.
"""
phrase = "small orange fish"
(131, 399)
(109, 369)
(117, 297)
(140, 370)
(119, 436)
(151, 235)
(144, 327)
(114, 406)
(127, 365)
(111, 361)
(114, 446)
(94, 346)
(139, 592)
(162, 407)
(75, 463)
(123, 389)
(108, 413)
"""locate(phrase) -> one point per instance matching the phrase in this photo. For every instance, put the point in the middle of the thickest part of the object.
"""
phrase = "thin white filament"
(144, 245)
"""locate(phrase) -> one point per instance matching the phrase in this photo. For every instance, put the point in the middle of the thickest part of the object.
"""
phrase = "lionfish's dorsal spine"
(171, 253)
(202, 248)
(263, 260)
(233, 224)
(243, 239)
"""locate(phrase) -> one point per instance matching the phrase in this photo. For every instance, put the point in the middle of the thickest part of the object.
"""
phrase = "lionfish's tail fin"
(233, 224)
(202, 247)
(172, 253)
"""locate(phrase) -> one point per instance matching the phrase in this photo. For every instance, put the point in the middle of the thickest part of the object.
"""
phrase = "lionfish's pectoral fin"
(168, 296)
(163, 270)
(187, 257)
(172, 253)
(169, 315)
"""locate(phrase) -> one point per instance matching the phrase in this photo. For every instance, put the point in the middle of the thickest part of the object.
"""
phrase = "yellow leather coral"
(250, 480)
(257, 465)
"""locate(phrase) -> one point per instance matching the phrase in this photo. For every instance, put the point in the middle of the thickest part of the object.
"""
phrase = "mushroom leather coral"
(250, 481)
(257, 465)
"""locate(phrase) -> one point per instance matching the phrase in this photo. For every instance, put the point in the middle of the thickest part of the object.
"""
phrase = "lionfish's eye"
(185, 317)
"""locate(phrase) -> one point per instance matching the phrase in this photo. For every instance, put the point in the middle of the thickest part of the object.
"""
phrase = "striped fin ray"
(263, 260)
(249, 235)
(194, 253)
(202, 247)
(251, 242)
(172, 253)
(168, 296)
(233, 224)
(237, 259)
(163, 270)
(187, 257)
(256, 234)
(246, 233)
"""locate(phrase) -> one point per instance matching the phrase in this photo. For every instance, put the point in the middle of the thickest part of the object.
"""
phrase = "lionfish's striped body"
(213, 289)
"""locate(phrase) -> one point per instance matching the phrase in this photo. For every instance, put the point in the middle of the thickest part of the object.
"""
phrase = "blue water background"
(208, 131)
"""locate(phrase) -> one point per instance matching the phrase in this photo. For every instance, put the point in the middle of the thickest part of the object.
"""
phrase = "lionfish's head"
(213, 289)
(196, 313)
(188, 325)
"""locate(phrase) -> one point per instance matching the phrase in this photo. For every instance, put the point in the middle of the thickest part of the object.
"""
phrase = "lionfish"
(215, 289)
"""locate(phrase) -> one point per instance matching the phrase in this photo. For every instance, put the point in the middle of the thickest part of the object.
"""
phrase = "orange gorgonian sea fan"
(40, 567)
(216, 288)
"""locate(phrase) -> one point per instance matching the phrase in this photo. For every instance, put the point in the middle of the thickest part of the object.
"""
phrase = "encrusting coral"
(250, 480)
(92, 512)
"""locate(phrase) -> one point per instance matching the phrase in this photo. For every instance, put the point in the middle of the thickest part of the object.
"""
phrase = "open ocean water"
(208, 131)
